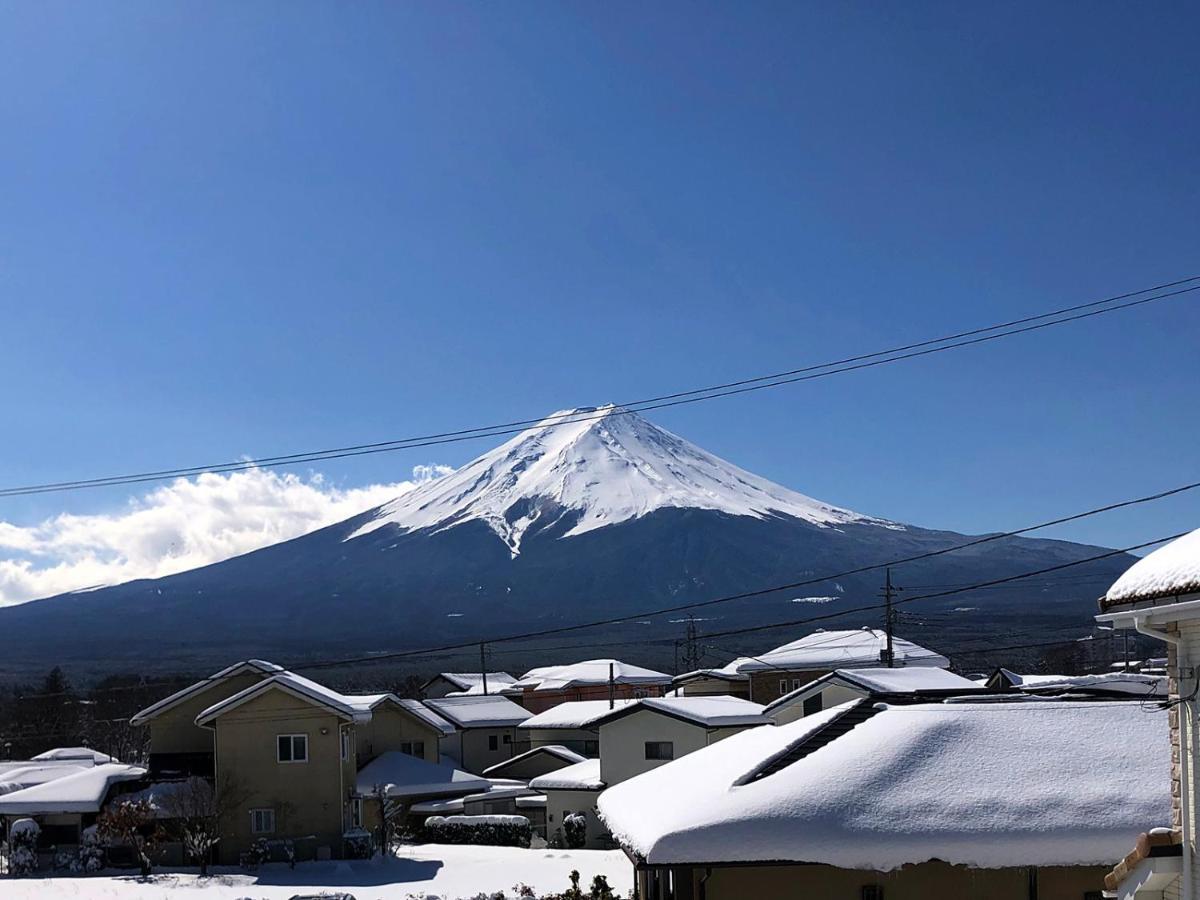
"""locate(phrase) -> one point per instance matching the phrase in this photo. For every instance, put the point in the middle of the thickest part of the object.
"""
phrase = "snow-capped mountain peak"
(600, 466)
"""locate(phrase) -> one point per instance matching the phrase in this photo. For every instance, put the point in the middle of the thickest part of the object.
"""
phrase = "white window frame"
(268, 816)
(347, 736)
(797, 684)
(292, 738)
(782, 686)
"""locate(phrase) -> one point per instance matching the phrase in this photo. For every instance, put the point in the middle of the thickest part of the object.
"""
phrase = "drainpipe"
(1187, 760)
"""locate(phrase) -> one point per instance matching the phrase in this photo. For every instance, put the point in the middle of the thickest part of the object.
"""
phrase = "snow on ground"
(426, 871)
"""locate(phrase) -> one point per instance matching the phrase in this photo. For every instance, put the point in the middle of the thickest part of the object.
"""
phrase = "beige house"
(573, 724)
(573, 790)
(290, 750)
(485, 732)
(178, 746)
(845, 685)
(979, 797)
(1159, 596)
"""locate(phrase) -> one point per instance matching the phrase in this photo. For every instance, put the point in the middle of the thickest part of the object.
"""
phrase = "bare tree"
(198, 808)
(391, 814)
(132, 822)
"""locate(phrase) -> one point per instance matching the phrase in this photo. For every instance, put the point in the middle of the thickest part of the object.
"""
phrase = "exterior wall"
(532, 767)
(917, 882)
(176, 731)
(1183, 731)
(622, 743)
(309, 798)
(833, 695)
(559, 803)
(715, 687)
(583, 741)
(388, 728)
(540, 701)
(469, 747)
(439, 687)
(764, 686)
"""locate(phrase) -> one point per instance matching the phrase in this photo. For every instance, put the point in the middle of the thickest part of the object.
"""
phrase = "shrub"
(259, 853)
(499, 831)
(359, 843)
(22, 847)
(91, 853)
(575, 830)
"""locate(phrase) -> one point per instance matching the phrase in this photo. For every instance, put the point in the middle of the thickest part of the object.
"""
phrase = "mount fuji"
(590, 513)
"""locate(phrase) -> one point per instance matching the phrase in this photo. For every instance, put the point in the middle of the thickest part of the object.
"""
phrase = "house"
(178, 746)
(1159, 596)
(1115, 684)
(64, 799)
(646, 734)
(594, 679)
(723, 682)
(844, 685)
(290, 749)
(573, 790)
(485, 729)
(537, 761)
(977, 797)
(572, 724)
(452, 684)
(788, 668)
(413, 781)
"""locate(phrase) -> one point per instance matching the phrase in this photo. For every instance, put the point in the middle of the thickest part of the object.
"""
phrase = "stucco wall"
(308, 797)
(389, 727)
(833, 695)
(576, 739)
(176, 731)
(532, 767)
(623, 743)
(469, 747)
(920, 882)
(559, 803)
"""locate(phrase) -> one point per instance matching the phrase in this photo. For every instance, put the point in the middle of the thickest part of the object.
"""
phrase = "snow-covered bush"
(259, 853)
(360, 844)
(498, 831)
(22, 847)
(575, 830)
(90, 857)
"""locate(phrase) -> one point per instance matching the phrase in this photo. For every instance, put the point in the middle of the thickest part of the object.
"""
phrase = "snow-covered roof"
(582, 776)
(707, 712)
(559, 752)
(81, 792)
(574, 714)
(903, 680)
(75, 754)
(1135, 683)
(533, 801)
(423, 712)
(725, 673)
(593, 467)
(159, 796)
(840, 650)
(590, 671)
(472, 682)
(1171, 570)
(1034, 783)
(256, 666)
(25, 775)
(353, 708)
(409, 776)
(436, 807)
(490, 711)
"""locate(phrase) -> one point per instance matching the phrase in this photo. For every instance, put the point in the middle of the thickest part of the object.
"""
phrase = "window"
(508, 739)
(413, 748)
(262, 821)
(346, 736)
(872, 892)
(660, 750)
(796, 684)
(782, 686)
(493, 742)
(813, 704)
(292, 748)
(356, 817)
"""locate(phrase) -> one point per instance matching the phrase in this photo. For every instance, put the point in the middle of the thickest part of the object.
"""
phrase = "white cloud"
(182, 525)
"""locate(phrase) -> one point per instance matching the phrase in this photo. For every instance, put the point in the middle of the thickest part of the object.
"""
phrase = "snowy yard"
(425, 871)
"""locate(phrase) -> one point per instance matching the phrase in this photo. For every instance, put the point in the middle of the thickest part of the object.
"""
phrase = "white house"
(485, 729)
(569, 790)
(983, 797)
(1159, 596)
(844, 685)
(572, 725)
(788, 668)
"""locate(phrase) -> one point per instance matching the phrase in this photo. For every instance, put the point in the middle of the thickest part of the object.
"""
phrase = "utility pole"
(691, 652)
(889, 619)
(612, 687)
(483, 665)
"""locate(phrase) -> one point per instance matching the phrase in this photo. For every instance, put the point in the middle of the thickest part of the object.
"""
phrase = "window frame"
(783, 688)
(493, 742)
(291, 738)
(347, 738)
(266, 811)
(659, 745)
(356, 812)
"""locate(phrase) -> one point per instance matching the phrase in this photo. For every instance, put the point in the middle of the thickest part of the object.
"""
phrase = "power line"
(761, 382)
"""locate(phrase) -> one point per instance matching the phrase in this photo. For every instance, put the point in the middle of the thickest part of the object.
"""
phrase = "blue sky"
(238, 228)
